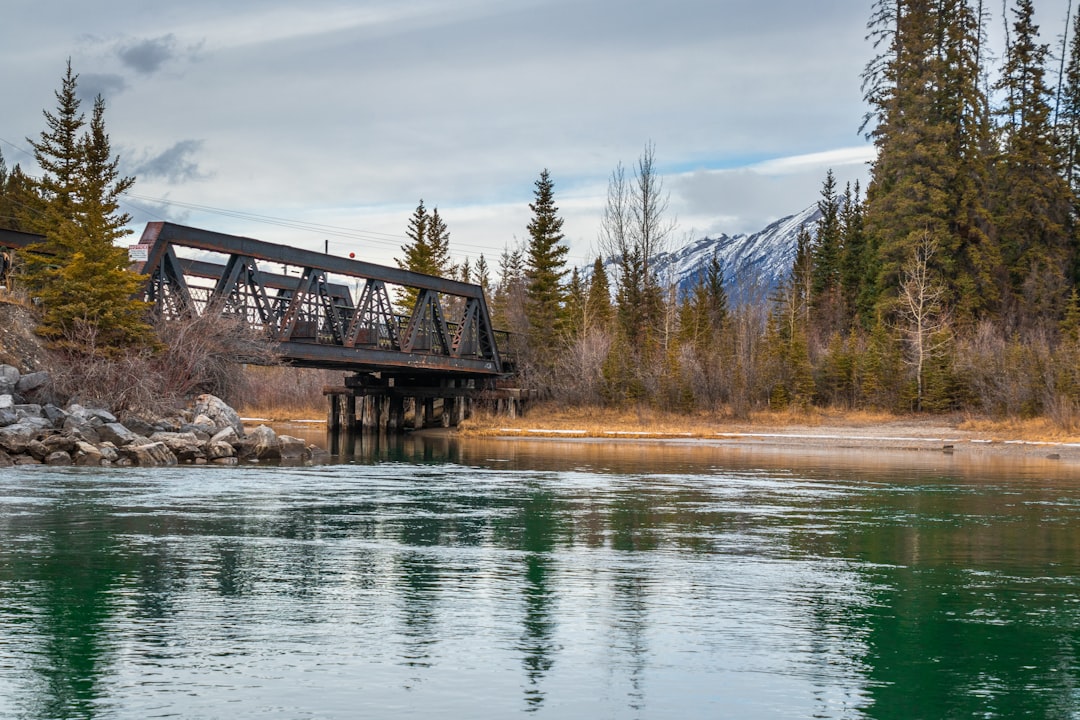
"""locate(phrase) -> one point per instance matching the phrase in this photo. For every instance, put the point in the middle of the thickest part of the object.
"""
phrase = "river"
(435, 577)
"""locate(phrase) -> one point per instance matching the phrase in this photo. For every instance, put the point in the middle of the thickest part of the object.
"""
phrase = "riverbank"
(820, 431)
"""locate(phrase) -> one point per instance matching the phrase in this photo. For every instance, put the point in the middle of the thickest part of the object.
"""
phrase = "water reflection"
(430, 575)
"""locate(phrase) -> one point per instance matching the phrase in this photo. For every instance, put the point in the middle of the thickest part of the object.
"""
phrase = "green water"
(567, 580)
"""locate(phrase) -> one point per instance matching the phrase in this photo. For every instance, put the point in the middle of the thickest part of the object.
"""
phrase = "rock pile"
(210, 432)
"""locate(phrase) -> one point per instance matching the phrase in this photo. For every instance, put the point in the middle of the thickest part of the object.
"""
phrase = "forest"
(949, 283)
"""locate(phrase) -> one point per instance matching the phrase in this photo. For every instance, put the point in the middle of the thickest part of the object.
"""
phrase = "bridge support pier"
(385, 402)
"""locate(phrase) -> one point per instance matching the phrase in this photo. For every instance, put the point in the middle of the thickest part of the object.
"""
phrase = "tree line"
(948, 283)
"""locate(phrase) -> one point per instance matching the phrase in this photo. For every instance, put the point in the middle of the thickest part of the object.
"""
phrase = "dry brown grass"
(595, 421)
(1038, 429)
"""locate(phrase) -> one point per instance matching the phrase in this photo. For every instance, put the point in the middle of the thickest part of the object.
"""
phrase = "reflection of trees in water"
(538, 626)
(419, 586)
(631, 621)
(535, 527)
(73, 569)
(972, 604)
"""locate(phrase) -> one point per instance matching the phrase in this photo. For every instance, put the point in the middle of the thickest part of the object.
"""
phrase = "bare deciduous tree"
(924, 318)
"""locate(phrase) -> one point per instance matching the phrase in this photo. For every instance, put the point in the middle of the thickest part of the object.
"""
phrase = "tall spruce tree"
(931, 130)
(598, 303)
(826, 256)
(545, 294)
(425, 252)
(81, 277)
(1033, 203)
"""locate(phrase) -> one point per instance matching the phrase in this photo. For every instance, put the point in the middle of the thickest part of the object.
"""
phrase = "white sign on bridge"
(138, 253)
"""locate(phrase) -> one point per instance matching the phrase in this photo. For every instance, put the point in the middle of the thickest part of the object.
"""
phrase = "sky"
(323, 124)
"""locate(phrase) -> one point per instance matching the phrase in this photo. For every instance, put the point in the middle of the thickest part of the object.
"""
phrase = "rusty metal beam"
(285, 255)
(18, 240)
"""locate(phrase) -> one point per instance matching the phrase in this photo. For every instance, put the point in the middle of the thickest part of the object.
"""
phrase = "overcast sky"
(346, 114)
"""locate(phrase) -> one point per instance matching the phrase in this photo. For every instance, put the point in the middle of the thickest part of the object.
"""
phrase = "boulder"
(7, 401)
(5, 459)
(218, 413)
(54, 415)
(138, 426)
(80, 427)
(87, 455)
(292, 448)
(150, 454)
(58, 458)
(317, 453)
(262, 443)
(176, 440)
(101, 414)
(17, 437)
(39, 450)
(217, 450)
(29, 410)
(56, 442)
(109, 454)
(32, 384)
(9, 378)
(118, 434)
(8, 417)
(226, 435)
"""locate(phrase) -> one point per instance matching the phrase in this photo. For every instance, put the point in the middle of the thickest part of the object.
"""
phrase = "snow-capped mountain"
(753, 264)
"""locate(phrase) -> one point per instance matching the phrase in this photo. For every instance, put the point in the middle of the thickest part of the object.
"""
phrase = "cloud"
(744, 200)
(174, 165)
(104, 84)
(148, 56)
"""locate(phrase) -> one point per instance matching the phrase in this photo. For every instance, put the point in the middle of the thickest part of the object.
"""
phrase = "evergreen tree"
(418, 255)
(79, 274)
(598, 304)
(545, 295)
(438, 239)
(826, 256)
(482, 274)
(932, 137)
(1033, 200)
(856, 277)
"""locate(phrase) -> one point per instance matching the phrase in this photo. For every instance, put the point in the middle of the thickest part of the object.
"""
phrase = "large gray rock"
(149, 455)
(54, 415)
(7, 401)
(40, 451)
(16, 438)
(58, 458)
(292, 448)
(8, 417)
(118, 435)
(262, 443)
(30, 410)
(178, 442)
(101, 414)
(87, 455)
(80, 427)
(9, 377)
(59, 442)
(218, 450)
(218, 413)
(33, 384)
(226, 435)
(109, 454)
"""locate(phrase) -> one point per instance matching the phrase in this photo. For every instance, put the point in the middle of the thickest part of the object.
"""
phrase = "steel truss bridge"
(324, 311)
